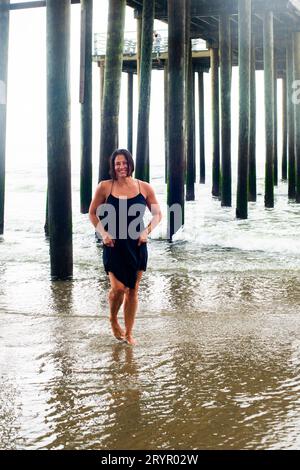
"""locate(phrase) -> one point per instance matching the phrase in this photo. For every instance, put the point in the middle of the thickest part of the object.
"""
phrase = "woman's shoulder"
(146, 189)
(104, 186)
(104, 183)
(146, 186)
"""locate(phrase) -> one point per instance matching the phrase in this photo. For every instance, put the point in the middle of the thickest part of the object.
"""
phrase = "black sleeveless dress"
(125, 258)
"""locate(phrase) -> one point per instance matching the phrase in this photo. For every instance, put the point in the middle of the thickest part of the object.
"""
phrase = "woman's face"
(121, 166)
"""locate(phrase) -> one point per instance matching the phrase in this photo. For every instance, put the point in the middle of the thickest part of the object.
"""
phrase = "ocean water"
(218, 329)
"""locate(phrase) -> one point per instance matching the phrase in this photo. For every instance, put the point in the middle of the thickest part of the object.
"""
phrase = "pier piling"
(297, 115)
(290, 118)
(214, 60)
(129, 111)
(252, 131)
(4, 36)
(201, 126)
(101, 73)
(166, 118)
(190, 128)
(85, 98)
(244, 106)
(284, 131)
(269, 107)
(109, 135)
(138, 17)
(225, 79)
(275, 123)
(176, 59)
(58, 138)
(142, 145)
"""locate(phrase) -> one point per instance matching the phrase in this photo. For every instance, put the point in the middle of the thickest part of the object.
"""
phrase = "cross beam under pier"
(27, 5)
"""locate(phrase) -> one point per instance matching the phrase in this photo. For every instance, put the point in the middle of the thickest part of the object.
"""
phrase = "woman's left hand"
(143, 238)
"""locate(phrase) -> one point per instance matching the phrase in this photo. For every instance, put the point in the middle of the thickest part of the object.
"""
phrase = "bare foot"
(130, 340)
(116, 329)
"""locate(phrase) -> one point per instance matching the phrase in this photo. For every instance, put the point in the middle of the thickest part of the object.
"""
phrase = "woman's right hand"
(108, 240)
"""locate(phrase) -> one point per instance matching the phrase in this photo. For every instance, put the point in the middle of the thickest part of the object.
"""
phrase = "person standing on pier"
(124, 236)
(156, 43)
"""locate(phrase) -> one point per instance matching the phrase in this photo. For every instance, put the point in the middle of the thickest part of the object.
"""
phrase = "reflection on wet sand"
(217, 365)
(125, 395)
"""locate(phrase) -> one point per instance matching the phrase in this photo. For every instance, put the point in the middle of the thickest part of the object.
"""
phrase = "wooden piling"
(166, 118)
(142, 145)
(4, 36)
(275, 124)
(129, 110)
(244, 26)
(187, 57)
(297, 112)
(101, 71)
(189, 109)
(284, 131)
(290, 119)
(85, 98)
(176, 54)
(109, 136)
(252, 132)
(225, 97)
(138, 17)
(269, 107)
(214, 60)
(58, 138)
(201, 126)
(190, 128)
(194, 123)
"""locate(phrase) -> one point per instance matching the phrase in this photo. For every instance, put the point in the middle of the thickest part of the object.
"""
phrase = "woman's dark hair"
(130, 162)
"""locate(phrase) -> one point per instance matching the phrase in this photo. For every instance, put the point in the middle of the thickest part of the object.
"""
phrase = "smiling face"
(121, 166)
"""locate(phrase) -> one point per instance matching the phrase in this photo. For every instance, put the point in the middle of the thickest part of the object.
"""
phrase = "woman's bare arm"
(98, 199)
(154, 208)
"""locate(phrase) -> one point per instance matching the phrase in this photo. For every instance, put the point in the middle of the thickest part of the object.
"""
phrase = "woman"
(125, 250)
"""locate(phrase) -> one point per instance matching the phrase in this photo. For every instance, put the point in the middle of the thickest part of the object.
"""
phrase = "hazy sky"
(26, 131)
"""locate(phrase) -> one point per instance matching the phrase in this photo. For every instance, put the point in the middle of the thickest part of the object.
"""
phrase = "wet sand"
(216, 367)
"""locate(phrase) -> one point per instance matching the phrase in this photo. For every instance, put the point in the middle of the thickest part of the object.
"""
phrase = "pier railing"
(160, 43)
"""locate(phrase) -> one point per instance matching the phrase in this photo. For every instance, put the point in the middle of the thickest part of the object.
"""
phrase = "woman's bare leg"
(116, 297)
(130, 308)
